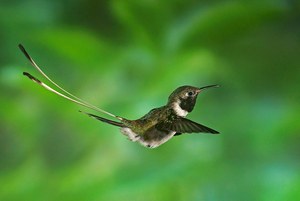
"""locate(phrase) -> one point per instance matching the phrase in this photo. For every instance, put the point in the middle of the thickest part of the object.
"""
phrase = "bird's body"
(146, 130)
(153, 129)
(161, 124)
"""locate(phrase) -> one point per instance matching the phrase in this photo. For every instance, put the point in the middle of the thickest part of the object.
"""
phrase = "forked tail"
(71, 97)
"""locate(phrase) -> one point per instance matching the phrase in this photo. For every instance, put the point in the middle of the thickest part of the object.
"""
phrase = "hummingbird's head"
(183, 99)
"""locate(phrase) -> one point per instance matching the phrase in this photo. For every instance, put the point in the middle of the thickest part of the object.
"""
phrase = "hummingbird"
(154, 128)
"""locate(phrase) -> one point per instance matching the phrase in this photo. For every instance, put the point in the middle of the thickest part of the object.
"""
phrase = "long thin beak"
(209, 86)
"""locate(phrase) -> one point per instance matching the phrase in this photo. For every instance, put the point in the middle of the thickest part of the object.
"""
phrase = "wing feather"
(183, 125)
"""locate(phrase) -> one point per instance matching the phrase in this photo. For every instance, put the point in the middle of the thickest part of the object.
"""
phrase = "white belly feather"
(150, 144)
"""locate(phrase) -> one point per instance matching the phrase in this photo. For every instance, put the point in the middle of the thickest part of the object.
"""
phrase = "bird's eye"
(190, 93)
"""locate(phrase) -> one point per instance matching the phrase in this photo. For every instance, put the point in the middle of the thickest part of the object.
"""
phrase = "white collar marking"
(178, 110)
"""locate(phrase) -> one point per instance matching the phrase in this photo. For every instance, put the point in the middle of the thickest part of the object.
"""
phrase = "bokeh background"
(127, 57)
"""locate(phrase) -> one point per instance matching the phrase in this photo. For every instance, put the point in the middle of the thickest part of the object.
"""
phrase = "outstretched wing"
(183, 125)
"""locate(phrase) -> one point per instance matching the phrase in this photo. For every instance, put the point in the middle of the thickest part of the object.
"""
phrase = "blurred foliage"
(127, 57)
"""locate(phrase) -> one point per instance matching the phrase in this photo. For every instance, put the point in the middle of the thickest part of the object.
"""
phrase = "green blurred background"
(127, 57)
